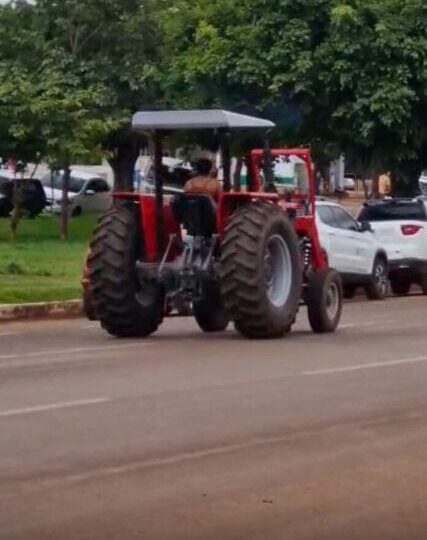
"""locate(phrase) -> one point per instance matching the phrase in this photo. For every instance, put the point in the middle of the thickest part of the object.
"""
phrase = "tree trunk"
(365, 188)
(375, 185)
(123, 163)
(18, 200)
(64, 203)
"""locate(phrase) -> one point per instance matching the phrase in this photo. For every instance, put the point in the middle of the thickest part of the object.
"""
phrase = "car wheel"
(77, 211)
(423, 283)
(377, 287)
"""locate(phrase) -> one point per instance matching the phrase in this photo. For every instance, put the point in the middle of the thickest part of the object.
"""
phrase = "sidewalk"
(41, 310)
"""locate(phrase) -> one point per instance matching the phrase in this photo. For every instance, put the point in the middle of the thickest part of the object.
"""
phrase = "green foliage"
(372, 71)
(341, 75)
(250, 53)
(72, 73)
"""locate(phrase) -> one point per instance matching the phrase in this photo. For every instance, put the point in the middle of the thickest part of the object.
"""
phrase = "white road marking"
(4, 334)
(366, 324)
(53, 406)
(72, 351)
(359, 367)
(87, 326)
(138, 466)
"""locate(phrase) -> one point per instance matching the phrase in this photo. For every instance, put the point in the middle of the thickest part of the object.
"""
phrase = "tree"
(95, 67)
(111, 45)
(43, 111)
(19, 136)
(342, 76)
(95, 59)
(370, 74)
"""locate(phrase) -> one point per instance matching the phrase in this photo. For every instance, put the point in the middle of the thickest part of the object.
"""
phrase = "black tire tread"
(239, 272)
(317, 315)
(111, 265)
(209, 311)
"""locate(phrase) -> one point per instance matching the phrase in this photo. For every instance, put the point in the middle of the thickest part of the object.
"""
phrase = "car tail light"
(410, 230)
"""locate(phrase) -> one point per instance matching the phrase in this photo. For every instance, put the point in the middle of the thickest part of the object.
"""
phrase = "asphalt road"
(186, 436)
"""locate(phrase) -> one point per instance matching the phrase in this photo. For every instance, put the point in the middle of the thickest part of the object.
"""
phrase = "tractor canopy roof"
(196, 119)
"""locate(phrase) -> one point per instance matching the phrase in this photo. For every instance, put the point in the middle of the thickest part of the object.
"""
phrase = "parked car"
(175, 173)
(34, 199)
(86, 193)
(349, 182)
(353, 250)
(401, 225)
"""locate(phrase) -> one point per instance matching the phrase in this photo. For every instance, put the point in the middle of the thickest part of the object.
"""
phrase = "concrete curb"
(41, 310)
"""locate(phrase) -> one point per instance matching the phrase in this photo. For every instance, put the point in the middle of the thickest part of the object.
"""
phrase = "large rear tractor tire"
(209, 311)
(260, 271)
(125, 306)
(324, 301)
(88, 307)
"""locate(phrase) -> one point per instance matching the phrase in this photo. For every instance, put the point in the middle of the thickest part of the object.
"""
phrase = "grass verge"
(38, 266)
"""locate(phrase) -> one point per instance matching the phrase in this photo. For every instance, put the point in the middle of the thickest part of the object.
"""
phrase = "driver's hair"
(203, 166)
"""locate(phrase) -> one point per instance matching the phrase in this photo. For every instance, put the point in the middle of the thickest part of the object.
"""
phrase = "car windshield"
(394, 211)
(55, 181)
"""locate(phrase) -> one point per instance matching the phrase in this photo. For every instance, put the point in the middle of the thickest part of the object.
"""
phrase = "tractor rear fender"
(147, 215)
(229, 203)
(305, 226)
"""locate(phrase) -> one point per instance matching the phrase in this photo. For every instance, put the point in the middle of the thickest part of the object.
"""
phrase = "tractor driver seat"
(197, 213)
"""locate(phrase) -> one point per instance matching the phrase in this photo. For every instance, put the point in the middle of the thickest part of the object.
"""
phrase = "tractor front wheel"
(208, 310)
(324, 301)
(125, 306)
(260, 271)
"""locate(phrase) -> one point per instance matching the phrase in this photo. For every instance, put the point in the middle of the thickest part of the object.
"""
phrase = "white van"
(290, 172)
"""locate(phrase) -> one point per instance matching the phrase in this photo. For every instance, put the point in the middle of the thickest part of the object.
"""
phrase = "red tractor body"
(303, 204)
(249, 256)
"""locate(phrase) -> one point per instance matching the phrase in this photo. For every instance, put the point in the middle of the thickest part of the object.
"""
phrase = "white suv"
(353, 250)
(401, 225)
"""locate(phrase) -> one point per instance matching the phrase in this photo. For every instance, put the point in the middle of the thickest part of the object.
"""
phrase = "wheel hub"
(278, 271)
(380, 277)
(332, 301)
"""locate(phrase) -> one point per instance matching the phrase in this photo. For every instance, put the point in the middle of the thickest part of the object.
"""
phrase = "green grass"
(38, 266)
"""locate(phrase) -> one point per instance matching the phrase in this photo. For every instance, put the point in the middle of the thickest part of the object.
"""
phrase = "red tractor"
(249, 256)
